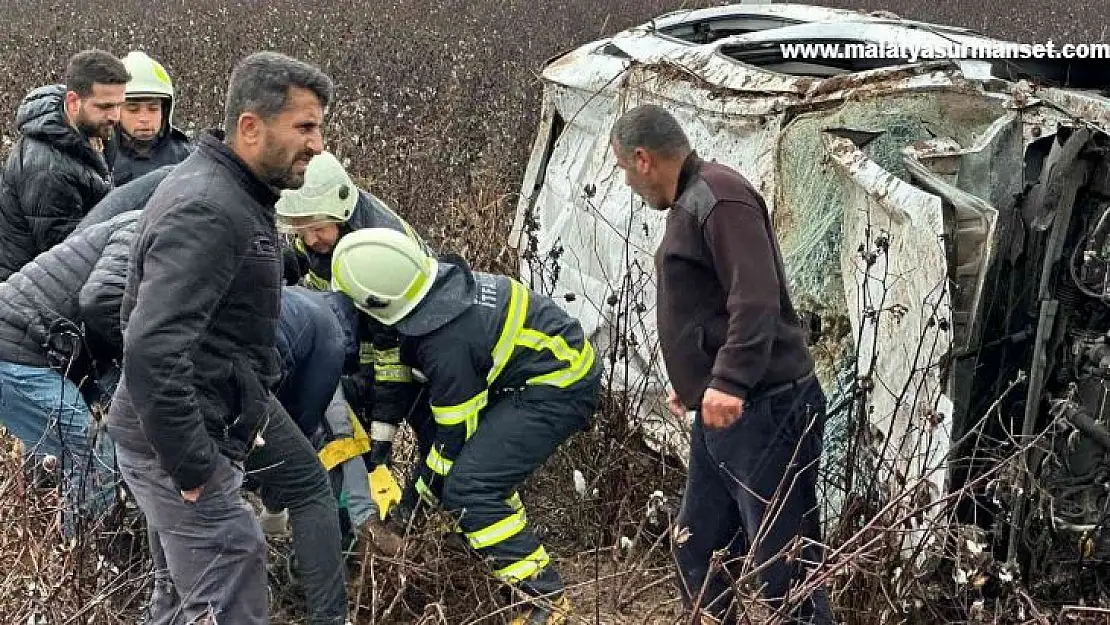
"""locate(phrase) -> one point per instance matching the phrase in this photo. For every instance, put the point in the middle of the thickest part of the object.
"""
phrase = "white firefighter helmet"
(327, 195)
(385, 273)
(148, 80)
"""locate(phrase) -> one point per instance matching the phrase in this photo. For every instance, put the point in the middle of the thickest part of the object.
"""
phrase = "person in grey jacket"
(44, 355)
(199, 315)
(131, 196)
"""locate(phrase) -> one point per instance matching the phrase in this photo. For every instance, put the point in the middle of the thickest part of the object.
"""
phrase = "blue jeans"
(312, 350)
(48, 414)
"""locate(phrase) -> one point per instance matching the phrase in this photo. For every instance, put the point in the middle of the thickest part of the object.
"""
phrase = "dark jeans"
(754, 483)
(213, 552)
(290, 476)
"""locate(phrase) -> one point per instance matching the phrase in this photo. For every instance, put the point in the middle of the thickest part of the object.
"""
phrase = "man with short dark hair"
(736, 354)
(57, 170)
(201, 306)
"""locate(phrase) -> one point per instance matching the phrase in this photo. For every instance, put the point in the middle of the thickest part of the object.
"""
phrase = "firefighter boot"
(555, 611)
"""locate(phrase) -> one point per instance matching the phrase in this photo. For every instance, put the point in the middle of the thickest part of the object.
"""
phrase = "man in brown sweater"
(736, 354)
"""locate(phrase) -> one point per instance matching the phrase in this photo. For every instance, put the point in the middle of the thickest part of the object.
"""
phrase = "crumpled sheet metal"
(904, 326)
(776, 130)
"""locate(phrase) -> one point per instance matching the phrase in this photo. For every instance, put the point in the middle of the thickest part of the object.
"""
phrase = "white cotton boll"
(626, 543)
(579, 483)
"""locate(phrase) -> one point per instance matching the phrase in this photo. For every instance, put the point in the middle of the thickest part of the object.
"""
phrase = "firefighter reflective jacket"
(477, 334)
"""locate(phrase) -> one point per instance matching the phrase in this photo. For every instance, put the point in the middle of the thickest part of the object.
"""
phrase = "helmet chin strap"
(373, 301)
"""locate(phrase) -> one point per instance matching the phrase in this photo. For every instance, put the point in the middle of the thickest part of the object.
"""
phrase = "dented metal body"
(914, 205)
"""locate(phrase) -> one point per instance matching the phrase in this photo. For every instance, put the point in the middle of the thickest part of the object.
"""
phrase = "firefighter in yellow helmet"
(511, 376)
(379, 388)
(146, 136)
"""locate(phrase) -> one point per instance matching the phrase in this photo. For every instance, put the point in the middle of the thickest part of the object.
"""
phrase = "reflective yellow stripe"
(392, 373)
(387, 356)
(579, 362)
(313, 281)
(341, 450)
(425, 492)
(514, 321)
(515, 503)
(438, 463)
(556, 344)
(365, 353)
(500, 531)
(513, 333)
(418, 282)
(298, 245)
(569, 375)
(454, 415)
(466, 412)
(526, 568)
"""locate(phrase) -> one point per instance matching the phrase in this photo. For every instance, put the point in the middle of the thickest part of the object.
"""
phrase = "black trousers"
(754, 483)
(289, 475)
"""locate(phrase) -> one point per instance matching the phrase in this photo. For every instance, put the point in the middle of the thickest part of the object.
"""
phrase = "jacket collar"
(690, 169)
(212, 145)
(451, 295)
(41, 116)
(133, 148)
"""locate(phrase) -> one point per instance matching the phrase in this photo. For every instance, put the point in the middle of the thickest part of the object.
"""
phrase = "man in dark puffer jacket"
(40, 343)
(57, 171)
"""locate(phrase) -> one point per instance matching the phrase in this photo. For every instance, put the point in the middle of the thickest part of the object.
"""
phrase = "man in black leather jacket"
(199, 314)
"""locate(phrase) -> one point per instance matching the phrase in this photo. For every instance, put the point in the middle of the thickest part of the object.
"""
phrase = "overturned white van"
(943, 224)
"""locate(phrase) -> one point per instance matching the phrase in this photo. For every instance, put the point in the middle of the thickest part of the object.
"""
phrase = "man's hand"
(719, 409)
(191, 495)
(675, 406)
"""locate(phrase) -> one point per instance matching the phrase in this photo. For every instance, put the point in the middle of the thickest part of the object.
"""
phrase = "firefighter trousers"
(518, 432)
